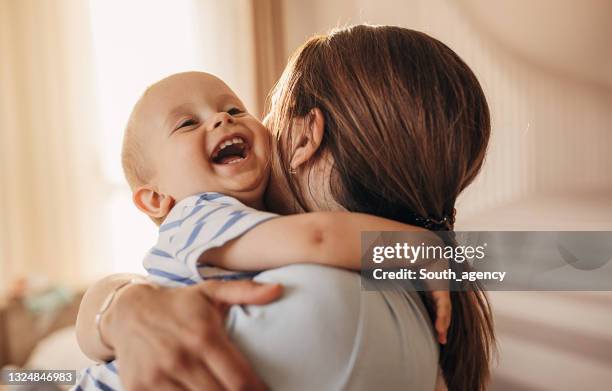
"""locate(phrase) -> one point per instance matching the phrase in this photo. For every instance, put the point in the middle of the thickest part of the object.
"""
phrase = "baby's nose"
(222, 118)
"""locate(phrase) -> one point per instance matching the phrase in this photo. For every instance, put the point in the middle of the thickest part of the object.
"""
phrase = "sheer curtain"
(48, 189)
(70, 72)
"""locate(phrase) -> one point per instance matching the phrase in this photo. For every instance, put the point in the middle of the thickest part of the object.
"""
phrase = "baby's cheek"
(190, 152)
(186, 159)
(265, 141)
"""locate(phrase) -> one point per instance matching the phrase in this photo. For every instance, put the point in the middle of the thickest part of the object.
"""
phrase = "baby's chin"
(247, 187)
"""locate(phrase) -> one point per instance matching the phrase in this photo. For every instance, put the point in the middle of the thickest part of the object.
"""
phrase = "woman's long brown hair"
(407, 125)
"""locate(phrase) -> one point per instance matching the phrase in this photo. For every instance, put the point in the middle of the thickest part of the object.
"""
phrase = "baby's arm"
(327, 238)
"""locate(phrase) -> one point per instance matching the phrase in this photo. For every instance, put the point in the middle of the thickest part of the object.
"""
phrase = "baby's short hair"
(133, 158)
(135, 161)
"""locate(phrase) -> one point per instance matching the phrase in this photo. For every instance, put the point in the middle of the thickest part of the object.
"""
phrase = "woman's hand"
(175, 338)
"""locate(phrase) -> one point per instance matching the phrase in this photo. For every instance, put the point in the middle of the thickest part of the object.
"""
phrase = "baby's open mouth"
(230, 151)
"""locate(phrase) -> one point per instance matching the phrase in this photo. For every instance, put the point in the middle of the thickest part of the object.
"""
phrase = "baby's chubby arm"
(327, 238)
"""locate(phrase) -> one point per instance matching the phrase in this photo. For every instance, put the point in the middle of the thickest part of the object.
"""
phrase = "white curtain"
(70, 70)
(48, 189)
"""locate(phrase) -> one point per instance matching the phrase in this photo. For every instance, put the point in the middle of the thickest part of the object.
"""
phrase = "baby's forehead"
(179, 90)
(189, 82)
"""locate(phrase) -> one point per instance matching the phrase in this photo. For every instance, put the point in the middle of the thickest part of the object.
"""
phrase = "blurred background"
(70, 71)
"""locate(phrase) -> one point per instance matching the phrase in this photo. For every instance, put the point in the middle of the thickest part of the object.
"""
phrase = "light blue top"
(329, 334)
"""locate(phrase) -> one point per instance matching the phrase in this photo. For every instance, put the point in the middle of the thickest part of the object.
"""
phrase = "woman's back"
(329, 334)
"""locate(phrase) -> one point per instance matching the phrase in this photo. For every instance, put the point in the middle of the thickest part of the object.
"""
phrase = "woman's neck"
(314, 182)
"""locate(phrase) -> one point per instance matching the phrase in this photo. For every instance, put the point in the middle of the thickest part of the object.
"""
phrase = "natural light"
(132, 49)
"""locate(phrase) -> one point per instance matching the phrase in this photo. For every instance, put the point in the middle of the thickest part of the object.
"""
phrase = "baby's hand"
(443, 313)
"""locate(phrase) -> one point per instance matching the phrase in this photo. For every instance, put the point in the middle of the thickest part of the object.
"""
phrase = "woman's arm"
(326, 238)
(181, 336)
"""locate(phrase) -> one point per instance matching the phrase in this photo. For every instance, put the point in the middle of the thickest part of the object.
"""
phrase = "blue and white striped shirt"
(196, 224)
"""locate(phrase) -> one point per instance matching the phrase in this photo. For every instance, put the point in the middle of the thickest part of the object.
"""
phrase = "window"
(135, 43)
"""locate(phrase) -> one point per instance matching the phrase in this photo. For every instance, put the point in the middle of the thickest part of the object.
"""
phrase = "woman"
(379, 120)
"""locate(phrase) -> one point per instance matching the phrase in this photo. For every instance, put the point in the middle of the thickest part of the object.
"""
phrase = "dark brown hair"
(407, 125)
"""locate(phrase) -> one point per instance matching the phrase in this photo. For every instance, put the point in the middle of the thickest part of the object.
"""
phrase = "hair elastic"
(444, 224)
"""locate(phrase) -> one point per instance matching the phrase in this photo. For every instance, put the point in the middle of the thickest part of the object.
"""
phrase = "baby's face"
(199, 137)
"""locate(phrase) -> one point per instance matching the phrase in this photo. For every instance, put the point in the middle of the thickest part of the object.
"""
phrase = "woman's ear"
(309, 139)
(154, 204)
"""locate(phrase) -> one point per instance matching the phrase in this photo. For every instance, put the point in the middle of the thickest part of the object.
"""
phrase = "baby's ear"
(309, 138)
(153, 203)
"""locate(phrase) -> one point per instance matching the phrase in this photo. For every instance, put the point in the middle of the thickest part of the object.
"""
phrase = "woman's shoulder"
(309, 284)
(317, 301)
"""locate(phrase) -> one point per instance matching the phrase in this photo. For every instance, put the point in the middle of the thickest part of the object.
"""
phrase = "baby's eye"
(187, 122)
(234, 111)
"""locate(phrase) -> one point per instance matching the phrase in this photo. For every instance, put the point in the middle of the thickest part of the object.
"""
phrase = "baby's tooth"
(227, 143)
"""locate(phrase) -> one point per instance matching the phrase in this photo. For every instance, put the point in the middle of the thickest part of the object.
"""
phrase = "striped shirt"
(196, 224)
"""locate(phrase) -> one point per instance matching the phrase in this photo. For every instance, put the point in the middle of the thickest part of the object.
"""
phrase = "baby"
(198, 164)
